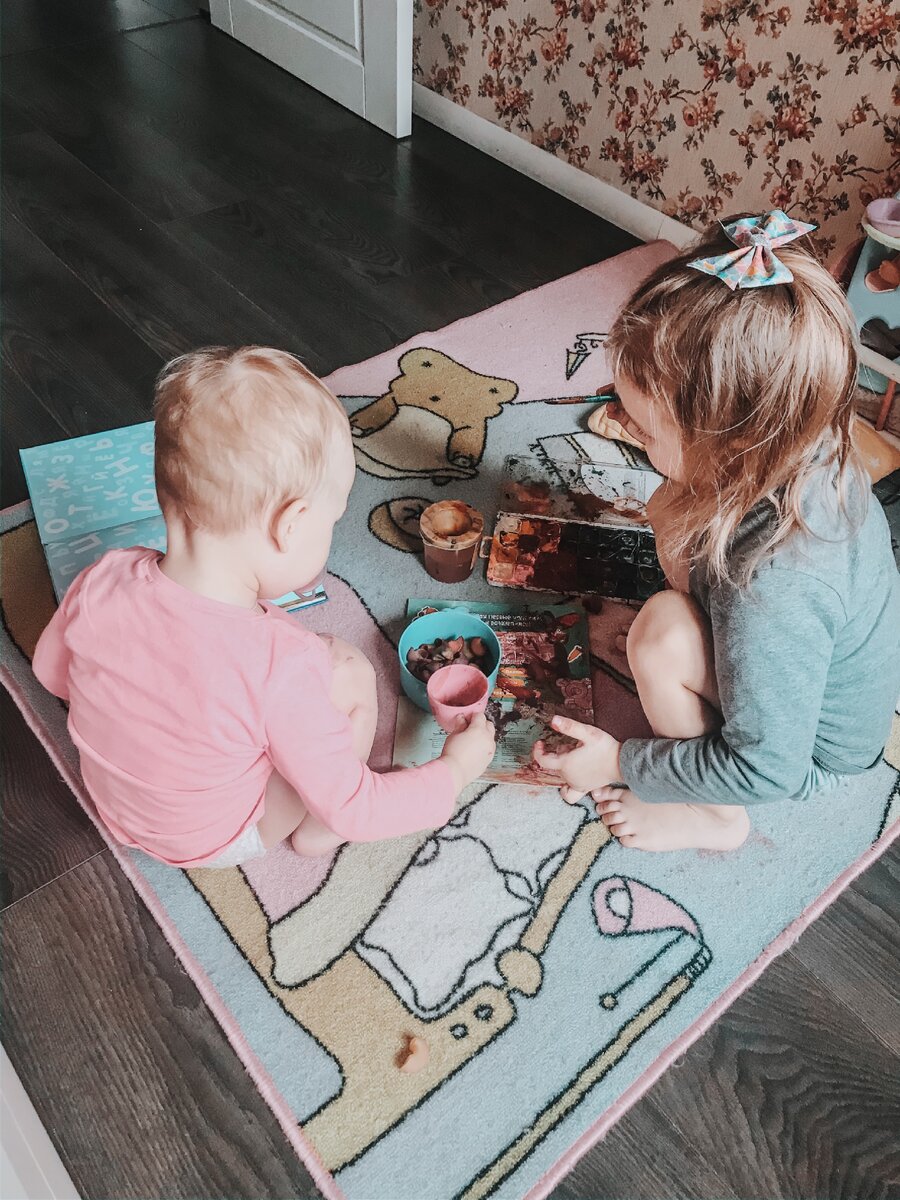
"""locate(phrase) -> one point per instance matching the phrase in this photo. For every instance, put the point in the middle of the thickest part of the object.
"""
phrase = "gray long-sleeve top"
(807, 660)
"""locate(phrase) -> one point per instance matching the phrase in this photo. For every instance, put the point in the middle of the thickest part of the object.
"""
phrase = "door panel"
(358, 52)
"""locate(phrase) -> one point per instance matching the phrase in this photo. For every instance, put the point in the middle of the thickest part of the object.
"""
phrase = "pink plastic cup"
(457, 691)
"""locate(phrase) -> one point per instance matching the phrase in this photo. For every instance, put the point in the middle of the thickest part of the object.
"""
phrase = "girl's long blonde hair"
(759, 381)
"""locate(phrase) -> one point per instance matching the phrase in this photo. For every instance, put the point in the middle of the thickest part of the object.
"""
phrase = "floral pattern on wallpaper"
(699, 107)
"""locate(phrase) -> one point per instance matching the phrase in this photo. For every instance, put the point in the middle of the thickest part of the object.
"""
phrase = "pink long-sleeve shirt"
(182, 706)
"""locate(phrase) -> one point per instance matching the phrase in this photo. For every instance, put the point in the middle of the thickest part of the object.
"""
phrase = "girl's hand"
(593, 764)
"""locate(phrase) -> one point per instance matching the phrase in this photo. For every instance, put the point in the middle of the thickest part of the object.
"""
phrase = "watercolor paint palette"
(573, 521)
(573, 558)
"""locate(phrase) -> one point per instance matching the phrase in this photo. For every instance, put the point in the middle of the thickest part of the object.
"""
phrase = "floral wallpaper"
(697, 107)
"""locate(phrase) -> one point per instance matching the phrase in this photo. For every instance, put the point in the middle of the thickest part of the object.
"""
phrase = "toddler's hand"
(470, 749)
(593, 764)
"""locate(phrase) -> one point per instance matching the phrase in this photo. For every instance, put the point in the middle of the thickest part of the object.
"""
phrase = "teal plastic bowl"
(450, 622)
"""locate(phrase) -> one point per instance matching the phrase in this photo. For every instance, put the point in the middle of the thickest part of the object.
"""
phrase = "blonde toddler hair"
(239, 433)
(759, 381)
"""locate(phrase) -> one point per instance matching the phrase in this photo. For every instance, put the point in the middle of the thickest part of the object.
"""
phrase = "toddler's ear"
(283, 523)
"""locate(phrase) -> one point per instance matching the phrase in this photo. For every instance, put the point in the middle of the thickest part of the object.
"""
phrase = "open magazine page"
(544, 671)
(575, 490)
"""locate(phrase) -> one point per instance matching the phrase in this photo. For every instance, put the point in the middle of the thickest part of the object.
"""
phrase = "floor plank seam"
(161, 229)
(50, 882)
(125, 33)
(54, 414)
(10, 364)
(197, 16)
(797, 963)
(94, 37)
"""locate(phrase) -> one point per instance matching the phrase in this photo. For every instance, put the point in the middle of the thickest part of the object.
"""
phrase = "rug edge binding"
(304, 1150)
(779, 944)
(333, 380)
(286, 1119)
(254, 1068)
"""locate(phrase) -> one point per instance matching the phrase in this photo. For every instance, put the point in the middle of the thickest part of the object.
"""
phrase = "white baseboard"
(591, 193)
(30, 1168)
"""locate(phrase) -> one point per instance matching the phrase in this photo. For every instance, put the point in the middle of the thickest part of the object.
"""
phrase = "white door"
(358, 52)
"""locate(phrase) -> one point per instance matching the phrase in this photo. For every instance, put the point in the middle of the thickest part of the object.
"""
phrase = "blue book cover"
(86, 484)
(97, 493)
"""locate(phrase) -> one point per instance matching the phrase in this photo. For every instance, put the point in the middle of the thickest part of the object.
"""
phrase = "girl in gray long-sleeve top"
(772, 666)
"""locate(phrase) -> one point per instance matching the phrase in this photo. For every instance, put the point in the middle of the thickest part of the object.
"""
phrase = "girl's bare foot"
(670, 826)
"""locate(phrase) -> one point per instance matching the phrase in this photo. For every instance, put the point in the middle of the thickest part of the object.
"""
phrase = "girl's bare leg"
(670, 653)
(352, 692)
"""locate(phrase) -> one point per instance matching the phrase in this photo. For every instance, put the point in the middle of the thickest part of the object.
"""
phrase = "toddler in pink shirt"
(210, 724)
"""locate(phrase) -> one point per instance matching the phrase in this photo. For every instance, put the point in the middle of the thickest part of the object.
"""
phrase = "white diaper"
(245, 847)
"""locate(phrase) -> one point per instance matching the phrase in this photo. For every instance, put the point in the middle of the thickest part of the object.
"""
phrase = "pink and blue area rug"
(552, 973)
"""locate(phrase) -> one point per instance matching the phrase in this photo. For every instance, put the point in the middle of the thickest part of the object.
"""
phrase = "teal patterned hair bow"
(753, 264)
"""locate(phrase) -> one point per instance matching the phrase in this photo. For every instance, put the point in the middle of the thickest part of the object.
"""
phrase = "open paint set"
(571, 558)
(571, 524)
(567, 523)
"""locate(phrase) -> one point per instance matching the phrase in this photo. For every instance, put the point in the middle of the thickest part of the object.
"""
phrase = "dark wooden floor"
(164, 188)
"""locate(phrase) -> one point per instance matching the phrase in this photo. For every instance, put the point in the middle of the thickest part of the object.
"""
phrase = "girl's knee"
(666, 628)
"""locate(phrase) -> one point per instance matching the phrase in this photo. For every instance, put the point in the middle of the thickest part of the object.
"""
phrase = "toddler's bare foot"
(670, 826)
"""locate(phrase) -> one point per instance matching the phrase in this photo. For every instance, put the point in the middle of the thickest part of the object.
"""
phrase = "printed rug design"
(552, 973)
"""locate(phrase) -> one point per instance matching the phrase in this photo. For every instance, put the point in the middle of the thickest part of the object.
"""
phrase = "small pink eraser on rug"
(457, 691)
